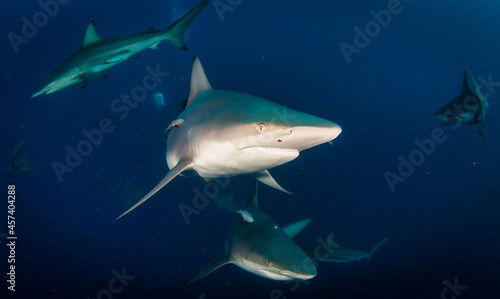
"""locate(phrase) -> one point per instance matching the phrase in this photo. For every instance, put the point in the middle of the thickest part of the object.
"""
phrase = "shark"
(19, 162)
(469, 107)
(98, 54)
(224, 133)
(263, 248)
(336, 253)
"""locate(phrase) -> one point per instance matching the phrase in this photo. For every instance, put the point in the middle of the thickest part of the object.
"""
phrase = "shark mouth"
(273, 149)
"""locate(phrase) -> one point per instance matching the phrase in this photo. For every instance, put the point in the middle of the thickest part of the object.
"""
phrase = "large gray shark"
(469, 107)
(19, 162)
(263, 248)
(98, 54)
(335, 253)
(226, 133)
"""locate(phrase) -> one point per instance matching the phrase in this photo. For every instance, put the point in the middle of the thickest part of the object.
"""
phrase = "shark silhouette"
(19, 162)
(226, 133)
(263, 248)
(98, 54)
(469, 107)
(336, 253)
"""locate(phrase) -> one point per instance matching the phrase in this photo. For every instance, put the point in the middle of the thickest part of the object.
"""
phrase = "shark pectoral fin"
(180, 167)
(176, 31)
(266, 178)
(91, 35)
(155, 46)
(372, 252)
(216, 263)
(293, 229)
(93, 76)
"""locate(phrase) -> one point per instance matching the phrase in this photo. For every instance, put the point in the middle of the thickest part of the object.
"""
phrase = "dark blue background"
(442, 222)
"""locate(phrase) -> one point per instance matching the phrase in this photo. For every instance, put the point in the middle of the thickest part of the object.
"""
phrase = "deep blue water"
(442, 221)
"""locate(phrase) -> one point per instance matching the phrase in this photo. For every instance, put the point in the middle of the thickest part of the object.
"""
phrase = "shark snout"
(304, 137)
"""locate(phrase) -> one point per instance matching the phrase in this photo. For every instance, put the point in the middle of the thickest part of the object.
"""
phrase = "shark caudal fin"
(176, 31)
(372, 252)
(216, 263)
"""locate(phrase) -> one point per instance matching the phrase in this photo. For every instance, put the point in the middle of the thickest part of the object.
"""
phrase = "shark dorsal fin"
(465, 85)
(293, 229)
(252, 202)
(199, 81)
(91, 35)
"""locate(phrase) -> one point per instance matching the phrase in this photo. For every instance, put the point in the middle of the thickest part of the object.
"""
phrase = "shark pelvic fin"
(180, 167)
(91, 35)
(176, 31)
(199, 81)
(266, 178)
(293, 229)
(216, 263)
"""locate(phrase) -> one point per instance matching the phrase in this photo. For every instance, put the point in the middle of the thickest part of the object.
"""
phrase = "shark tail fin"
(177, 29)
(372, 252)
(216, 263)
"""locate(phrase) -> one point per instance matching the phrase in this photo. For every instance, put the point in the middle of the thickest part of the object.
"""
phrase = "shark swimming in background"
(225, 133)
(263, 248)
(19, 162)
(469, 107)
(335, 253)
(98, 54)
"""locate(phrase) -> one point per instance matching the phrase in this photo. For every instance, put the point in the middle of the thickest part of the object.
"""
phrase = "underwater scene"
(250, 149)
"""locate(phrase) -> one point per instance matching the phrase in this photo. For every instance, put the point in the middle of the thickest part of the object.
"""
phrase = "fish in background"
(98, 53)
(228, 203)
(469, 107)
(224, 133)
(19, 162)
(333, 252)
(263, 248)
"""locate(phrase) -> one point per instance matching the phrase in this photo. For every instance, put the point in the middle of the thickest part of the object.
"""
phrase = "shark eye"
(261, 127)
(269, 264)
